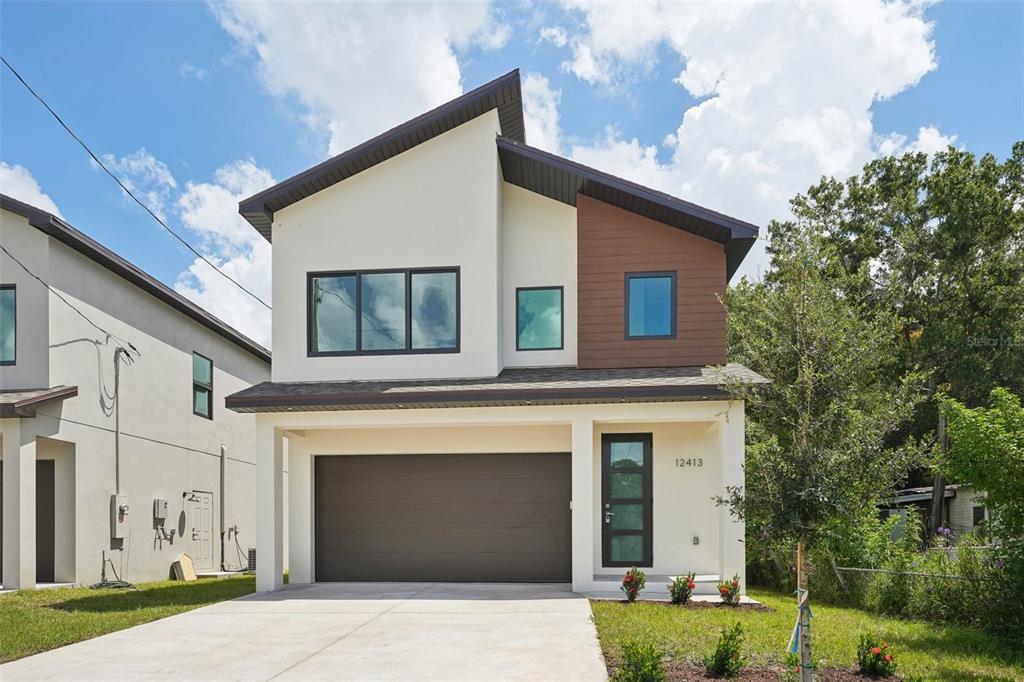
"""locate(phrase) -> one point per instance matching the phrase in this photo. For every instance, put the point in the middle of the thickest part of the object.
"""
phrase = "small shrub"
(790, 668)
(633, 582)
(729, 590)
(727, 660)
(681, 588)
(874, 657)
(640, 663)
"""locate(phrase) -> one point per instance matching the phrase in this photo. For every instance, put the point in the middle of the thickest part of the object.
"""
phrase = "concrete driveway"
(348, 631)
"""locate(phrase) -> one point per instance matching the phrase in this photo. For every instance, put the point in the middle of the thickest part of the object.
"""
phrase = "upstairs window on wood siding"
(539, 319)
(8, 324)
(650, 305)
(202, 386)
(384, 312)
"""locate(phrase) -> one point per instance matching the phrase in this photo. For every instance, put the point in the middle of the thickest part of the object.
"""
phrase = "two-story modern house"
(118, 454)
(492, 363)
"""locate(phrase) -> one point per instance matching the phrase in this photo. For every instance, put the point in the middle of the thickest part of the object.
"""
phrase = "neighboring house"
(73, 491)
(492, 363)
(963, 508)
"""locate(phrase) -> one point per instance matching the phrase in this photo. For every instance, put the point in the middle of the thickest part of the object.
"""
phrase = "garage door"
(466, 517)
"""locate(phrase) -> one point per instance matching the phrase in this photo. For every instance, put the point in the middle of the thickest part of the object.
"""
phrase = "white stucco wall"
(31, 247)
(538, 249)
(166, 451)
(435, 205)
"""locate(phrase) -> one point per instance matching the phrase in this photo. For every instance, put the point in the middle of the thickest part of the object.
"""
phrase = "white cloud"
(210, 210)
(358, 69)
(17, 182)
(146, 176)
(187, 70)
(555, 35)
(929, 140)
(540, 112)
(785, 94)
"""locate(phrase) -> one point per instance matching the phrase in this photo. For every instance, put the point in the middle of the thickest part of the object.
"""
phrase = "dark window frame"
(408, 349)
(671, 274)
(14, 360)
(200, 385)
(647, 500)
(561, 303)
(975, 511)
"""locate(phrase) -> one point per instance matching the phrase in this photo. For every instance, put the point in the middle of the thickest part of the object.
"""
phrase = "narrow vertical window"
(202, 386)
(539, 318)
(650, 305)
(8, 324)
(434, 307)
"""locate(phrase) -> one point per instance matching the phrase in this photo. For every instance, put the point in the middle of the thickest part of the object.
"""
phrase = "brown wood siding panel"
(612, 242)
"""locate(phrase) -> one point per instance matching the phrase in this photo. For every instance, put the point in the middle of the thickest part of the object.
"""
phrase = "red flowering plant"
(729, 591)
(681, 588)
(633, 582)
(874, 657)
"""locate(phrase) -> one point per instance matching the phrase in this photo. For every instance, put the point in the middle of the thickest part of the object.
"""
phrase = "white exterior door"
(200, 519)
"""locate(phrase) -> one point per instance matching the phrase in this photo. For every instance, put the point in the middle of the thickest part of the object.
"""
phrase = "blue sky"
(175, 92)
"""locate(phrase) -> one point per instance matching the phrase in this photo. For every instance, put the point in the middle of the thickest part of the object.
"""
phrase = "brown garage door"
(467, 517)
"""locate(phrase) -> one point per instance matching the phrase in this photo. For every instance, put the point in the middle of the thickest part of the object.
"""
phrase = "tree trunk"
(803, 615)
(938, 485)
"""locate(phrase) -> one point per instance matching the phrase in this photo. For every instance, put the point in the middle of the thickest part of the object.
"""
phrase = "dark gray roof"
(90, 248)
(22, 402)
(503, 94)
(560, 179)
(520, 386)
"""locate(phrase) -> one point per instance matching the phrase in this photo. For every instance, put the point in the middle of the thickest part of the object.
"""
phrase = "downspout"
(117, 418)
(223, 498)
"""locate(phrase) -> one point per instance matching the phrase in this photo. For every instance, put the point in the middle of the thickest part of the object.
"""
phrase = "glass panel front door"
(626, 499)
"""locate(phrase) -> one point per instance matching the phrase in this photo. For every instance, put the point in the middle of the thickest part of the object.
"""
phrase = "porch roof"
(514, 386)
(23, 401)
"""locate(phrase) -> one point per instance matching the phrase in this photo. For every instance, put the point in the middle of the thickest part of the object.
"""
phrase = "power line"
(108, 335)
(123, 187)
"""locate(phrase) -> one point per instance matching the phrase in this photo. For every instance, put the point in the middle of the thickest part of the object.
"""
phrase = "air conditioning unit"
(252, 559)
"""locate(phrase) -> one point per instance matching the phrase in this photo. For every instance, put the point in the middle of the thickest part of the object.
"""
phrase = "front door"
(200, 518)
(626, 499)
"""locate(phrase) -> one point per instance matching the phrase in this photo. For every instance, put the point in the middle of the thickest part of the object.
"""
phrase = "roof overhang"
(503, 94)
(561, 179)
(513, 387)
(60, 230)
(23, 402)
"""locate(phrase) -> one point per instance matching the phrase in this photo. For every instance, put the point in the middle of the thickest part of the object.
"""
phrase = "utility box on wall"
(118, 516)
(160, 509)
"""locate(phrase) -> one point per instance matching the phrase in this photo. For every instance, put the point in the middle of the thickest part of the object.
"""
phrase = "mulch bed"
(679, 671)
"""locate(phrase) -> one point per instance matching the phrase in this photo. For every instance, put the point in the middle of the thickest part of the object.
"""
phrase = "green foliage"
(874, 657)
(727, 659)
(681, 588)
(729, 591)
(640, 663)
(634, 581)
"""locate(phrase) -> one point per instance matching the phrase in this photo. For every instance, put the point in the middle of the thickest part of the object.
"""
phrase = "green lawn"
(923, 650)
(37, 620)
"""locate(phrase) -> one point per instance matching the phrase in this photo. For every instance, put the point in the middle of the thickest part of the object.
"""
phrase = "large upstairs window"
(8, 324)
(379, 312)
(539, 319)
(650, 305)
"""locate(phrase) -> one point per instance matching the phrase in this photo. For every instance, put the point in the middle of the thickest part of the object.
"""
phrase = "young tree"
(816, 450)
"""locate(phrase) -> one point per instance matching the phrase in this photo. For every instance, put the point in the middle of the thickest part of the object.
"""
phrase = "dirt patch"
(679, 671)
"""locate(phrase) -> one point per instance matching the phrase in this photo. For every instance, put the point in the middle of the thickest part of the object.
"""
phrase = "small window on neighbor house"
(202, 386)
(979, 516)
(539, 320)
(650, 305)
(8, 324)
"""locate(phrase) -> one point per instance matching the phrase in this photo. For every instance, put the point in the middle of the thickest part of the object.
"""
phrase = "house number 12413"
(690, 462)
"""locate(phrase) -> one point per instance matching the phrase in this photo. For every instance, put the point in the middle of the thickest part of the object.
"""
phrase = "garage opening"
(444, 518)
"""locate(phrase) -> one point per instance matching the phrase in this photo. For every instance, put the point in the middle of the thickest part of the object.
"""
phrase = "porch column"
(19, 485)
(269, 506)
(300, 512)
(583, 505)
(732, 548)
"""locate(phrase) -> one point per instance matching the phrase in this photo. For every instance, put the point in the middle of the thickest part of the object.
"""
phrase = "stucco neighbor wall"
(32, 248)
(435, 205)
(538, 249)
(166, 451)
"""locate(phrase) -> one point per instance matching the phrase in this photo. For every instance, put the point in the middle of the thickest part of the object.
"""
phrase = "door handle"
(608, 516)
